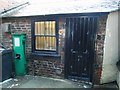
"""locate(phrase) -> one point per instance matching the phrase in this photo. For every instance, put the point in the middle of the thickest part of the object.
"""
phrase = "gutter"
(11, 10)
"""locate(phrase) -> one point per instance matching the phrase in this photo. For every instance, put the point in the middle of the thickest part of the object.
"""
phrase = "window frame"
(44, 52)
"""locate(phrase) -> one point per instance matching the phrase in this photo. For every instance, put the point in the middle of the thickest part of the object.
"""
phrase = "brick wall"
(99, 48)
(44, 66)
(19, 25)
(49, 66)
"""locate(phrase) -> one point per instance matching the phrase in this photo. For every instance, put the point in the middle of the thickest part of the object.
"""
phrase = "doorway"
(79, 47)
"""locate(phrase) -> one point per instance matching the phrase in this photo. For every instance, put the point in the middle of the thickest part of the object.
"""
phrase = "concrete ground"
(45, 82)
(41, 82)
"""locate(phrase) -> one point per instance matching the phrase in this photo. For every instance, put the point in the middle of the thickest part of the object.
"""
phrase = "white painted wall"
(109, 69)
(118, 79)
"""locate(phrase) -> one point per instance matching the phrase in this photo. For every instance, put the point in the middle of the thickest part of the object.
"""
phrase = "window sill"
(38, 54)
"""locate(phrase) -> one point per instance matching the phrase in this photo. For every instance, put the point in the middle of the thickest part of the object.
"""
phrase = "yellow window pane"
(46, 27)
(49, 27)
(39, 28)
(37, 42)
(51, 43)
(46, 43)
(40, 43)
(53, 28)
(42, 28)
(36, 28)
(38, 24)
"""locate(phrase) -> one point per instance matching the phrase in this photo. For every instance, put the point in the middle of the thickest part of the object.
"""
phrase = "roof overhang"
(64, 8)
(12, 10)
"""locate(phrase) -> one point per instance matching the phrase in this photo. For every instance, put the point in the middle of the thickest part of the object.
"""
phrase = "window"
(45, 36)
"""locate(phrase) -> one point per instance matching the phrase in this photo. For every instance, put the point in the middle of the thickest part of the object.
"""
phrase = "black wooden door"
(79, 55)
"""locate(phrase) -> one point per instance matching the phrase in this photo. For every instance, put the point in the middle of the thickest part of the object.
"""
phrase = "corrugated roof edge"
(8, 11)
